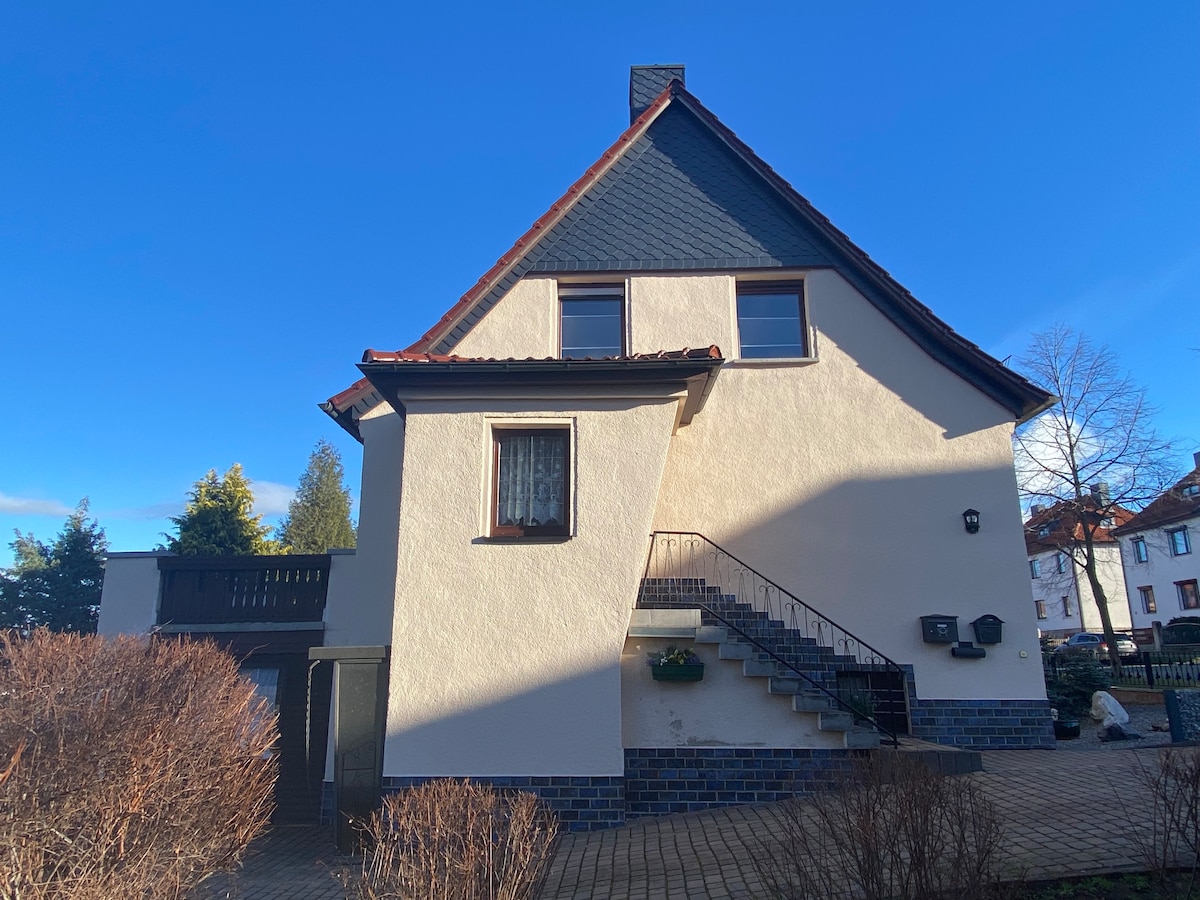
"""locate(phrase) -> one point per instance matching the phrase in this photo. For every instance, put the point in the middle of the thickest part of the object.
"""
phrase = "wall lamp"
(971, 520)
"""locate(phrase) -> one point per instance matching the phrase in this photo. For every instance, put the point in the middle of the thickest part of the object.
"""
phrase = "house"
(684, 409)
(1161, 571)
(1063, 599)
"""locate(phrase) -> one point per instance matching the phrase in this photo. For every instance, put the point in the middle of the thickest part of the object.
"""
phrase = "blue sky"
(207, 212)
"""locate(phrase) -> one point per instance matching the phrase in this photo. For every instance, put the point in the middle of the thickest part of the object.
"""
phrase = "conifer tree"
(318, 518)
(217, 520)
(56, 585)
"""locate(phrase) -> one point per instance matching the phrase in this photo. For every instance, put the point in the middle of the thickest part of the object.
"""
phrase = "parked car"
(1086, 643)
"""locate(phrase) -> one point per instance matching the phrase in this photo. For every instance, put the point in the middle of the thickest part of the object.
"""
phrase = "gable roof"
(1063, 528)
(1172, 505)
(679, 191)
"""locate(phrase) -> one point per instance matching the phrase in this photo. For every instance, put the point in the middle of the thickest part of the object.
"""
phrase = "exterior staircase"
(694, 589)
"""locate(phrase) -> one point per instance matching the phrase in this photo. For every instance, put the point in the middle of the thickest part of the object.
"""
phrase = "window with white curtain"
(532, 482)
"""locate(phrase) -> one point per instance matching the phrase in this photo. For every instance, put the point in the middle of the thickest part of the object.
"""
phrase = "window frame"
(607, 291)
(1035, 569)
(530, 532)
(1039, 607)
(759, 286)
(1146, 594)
(1182, 532)
(1181, 588)
(1060, 563)
(1066, 606)
(1140, 554)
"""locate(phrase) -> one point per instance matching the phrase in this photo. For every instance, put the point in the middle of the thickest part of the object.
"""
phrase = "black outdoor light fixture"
(971, 520)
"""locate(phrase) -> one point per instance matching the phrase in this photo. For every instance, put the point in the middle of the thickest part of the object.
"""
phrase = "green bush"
(1072, 684)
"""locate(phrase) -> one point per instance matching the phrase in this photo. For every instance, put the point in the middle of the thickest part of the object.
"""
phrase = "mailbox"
(939, 629)
(988, 629)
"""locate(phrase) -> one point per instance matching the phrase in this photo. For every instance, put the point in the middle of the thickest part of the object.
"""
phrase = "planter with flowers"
(675, 664)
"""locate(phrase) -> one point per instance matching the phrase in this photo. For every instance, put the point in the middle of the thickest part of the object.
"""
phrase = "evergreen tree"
(319, 516)
(57, 585)
(217, 520)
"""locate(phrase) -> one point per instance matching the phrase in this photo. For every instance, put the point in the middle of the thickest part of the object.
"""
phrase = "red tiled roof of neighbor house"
(1065, 528)
(1172, 505)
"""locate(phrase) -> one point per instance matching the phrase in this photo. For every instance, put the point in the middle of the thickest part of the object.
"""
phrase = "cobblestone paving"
(700, 855)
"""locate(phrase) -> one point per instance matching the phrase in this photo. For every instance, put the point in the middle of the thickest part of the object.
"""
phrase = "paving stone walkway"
(1048, 800)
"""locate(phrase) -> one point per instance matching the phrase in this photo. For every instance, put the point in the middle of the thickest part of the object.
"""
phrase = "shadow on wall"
(875, 554)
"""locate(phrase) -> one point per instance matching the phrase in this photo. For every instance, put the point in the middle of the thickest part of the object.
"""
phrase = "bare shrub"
(455, 840)
(890, 827)
(1171, 842)
(128, 767)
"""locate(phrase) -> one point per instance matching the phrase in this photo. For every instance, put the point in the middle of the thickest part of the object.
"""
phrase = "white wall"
(506, 655)
(129, 599)
(844, 480)
(1160, 571)
(1052, 586)
(725, 709)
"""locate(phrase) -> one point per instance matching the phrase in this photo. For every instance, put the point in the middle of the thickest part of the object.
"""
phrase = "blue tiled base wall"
(983, 724)
(658, 781)
(684, 779)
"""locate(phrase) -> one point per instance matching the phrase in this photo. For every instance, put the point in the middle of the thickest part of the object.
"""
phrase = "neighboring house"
(1063, 599)
(685, 409)
(1158, 548)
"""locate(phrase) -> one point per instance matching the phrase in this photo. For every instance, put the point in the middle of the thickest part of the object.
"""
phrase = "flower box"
(677, 673)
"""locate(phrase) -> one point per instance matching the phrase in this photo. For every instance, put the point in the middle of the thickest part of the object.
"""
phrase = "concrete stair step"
(711, 634)
(734, 650)
(759, 668)
(861, 739)
(812, 702)
(835, 720)
(781, 684)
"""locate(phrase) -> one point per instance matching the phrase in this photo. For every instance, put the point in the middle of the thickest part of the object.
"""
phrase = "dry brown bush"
(1170, 840)
(455, 840)
(890, 827)
(129, 768)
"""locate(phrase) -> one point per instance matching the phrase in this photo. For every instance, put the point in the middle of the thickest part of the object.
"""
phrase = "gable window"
(770, 320)
(532, 496)
(1192, 490)
(1147, 595)
(1189, 598)
(1179, 541)
(1139, 550)
(1035, 568)
(592, 320)
(1040, 606)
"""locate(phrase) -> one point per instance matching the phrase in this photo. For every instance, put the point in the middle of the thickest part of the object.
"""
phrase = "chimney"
(1100, 492)
(646, 83)
(1035, 510)
(1196, 458)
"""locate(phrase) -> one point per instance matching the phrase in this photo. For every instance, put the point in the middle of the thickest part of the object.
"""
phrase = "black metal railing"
(1147, 668)
(845, 700)
(688, 569)
(235, 589)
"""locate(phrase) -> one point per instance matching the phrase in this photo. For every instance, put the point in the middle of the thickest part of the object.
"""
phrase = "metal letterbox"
(937, 629)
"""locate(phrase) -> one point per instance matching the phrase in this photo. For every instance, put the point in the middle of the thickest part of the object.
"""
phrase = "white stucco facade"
(1063, 594)
(842, 476)
(1163, 572)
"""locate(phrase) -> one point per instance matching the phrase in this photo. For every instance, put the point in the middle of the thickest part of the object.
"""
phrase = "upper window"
(1147, 595)
(1179, 541)
(1035, 568)
(770, 318)
(532, 468)
(1139, 550)
(1060, 564)
(593, 320)
(1040, 606)
(1066, 605)
(1189, 598)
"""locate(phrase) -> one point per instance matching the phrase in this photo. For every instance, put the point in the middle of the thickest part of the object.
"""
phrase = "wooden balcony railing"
(231, 589)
